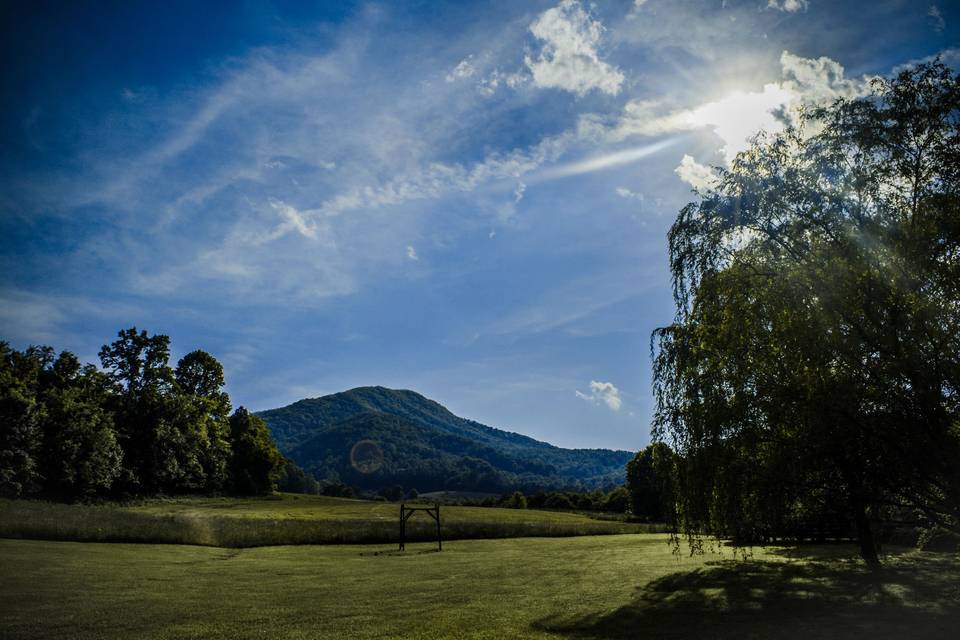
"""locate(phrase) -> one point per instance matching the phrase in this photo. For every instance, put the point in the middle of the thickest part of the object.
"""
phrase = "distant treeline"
(647, 495)
(135, 427)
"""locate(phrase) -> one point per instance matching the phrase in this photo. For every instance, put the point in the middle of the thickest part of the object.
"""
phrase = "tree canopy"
(138, 427)
(811, 375)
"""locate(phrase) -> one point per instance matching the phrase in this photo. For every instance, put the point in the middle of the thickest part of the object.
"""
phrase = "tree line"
(134, 427)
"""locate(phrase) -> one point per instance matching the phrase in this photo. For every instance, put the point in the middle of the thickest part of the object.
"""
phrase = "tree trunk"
(868, 545)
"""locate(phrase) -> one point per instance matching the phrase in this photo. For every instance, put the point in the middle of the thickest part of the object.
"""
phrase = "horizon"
(466, 200)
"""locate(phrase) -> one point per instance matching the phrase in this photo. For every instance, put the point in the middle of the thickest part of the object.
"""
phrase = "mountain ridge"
(424, 445)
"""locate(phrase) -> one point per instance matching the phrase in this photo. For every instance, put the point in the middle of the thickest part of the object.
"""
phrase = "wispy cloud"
(936, 18)
(790, 6)
(606, 161)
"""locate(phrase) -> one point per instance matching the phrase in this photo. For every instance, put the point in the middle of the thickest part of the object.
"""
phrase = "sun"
(739, 115)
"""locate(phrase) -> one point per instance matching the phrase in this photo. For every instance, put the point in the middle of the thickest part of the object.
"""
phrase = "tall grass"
(199, 526)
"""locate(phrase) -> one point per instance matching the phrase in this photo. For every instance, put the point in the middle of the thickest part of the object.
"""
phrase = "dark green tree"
(80, 456)
(162, 431)
(293, 479)
(255, 463)
(617, 501)
(814, 363)
(515, 500)
(558, 501)
(650, 483)
(199, 377)
(20, 418)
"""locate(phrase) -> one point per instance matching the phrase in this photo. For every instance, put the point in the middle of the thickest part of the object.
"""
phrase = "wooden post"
(406, 512)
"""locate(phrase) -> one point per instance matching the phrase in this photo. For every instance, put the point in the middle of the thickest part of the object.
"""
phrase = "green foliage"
(255, 463)
(617, 501)
(80, 456)
(426, 446)
(515, 500)
(20, 415)
(558, 501)
(813, 367)
(293, 479)
(137, 428)
(650, 483)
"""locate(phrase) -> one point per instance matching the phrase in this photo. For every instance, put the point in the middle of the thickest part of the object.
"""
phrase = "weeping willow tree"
(810, 377)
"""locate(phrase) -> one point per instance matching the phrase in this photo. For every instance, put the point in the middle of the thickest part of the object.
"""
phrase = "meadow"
(628, 586)
(282, 519)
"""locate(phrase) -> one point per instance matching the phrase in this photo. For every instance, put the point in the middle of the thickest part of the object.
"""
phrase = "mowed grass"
(280, 520)
(627, 586)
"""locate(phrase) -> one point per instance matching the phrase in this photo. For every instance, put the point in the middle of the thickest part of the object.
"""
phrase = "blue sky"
(466, 199)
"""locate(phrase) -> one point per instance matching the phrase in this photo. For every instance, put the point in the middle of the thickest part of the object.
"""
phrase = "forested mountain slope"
(420, 444)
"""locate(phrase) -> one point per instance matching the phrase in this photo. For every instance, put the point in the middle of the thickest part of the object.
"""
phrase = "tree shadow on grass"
(911, 597)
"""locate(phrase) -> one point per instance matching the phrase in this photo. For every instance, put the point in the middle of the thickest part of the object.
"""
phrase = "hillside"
(422, 445)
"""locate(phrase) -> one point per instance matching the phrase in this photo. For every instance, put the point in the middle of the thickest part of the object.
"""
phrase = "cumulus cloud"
(698, 176)
(623, 192)
(817, 80)
(604, 392)
(412, 253)
(790, 6)
(569, 59)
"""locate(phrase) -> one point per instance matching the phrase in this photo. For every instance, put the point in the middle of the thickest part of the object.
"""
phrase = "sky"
(466, 199)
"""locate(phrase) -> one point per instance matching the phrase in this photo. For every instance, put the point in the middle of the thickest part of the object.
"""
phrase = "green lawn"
(628, 586)
(281, 519)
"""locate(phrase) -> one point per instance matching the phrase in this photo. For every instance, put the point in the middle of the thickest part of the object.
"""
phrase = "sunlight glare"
(741, 114)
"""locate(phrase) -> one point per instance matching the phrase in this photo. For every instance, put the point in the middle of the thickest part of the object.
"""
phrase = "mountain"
(374, 438)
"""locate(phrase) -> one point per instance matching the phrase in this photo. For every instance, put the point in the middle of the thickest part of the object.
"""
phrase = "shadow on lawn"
(911, 597)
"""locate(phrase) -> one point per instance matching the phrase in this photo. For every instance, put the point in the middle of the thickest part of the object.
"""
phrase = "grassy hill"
(281, 519)
(425, 446)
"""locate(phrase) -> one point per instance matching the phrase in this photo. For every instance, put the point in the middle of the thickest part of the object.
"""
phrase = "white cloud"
(464, 69)
(604, 392)
(936, 17)
(790, 6)
(518, 192)
(949, 57)
(497, 78)
(293, 220)
(698, 176)
(569, 59)
(412, 253)
(818, 80)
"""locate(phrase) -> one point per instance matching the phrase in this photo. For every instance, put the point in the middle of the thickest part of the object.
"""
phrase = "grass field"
(281, 519)
(627, 586)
